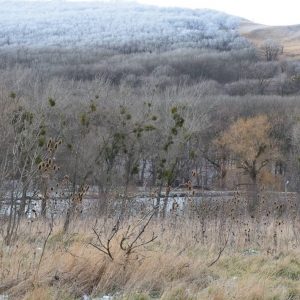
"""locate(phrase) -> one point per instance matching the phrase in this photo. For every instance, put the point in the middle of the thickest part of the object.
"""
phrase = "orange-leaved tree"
(250, 144)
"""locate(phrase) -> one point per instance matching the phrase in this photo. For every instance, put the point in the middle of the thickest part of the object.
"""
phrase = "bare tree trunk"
(25, 185)
(44, 198)
(67, 220)
(166, 200)
(157, 204)
(12, 220)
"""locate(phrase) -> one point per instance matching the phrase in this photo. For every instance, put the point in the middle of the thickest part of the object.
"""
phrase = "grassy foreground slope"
(217, 250)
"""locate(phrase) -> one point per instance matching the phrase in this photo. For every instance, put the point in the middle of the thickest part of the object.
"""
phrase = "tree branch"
(219, 255)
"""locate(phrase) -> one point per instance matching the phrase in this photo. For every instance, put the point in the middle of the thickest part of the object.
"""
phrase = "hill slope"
(288, 36)
(131, 27)
(128, 26)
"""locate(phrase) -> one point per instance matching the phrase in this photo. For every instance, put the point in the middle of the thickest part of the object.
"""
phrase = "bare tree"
(270, 49)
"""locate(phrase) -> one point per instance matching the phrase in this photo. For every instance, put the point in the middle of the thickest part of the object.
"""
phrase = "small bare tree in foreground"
(128, 240)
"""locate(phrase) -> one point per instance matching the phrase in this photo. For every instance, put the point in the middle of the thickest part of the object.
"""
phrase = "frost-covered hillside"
(124, 26)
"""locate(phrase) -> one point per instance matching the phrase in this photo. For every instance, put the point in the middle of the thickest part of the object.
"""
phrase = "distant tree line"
(120, 136)
(235, 72)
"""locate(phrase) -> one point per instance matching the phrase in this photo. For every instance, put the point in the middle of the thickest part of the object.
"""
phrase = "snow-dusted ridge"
(122, 25)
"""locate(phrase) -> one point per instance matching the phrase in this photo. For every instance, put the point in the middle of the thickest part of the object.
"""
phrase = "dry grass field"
(288, 36)
(218, 250)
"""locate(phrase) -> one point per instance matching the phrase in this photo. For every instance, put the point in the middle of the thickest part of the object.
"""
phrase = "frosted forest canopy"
(127, 26)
